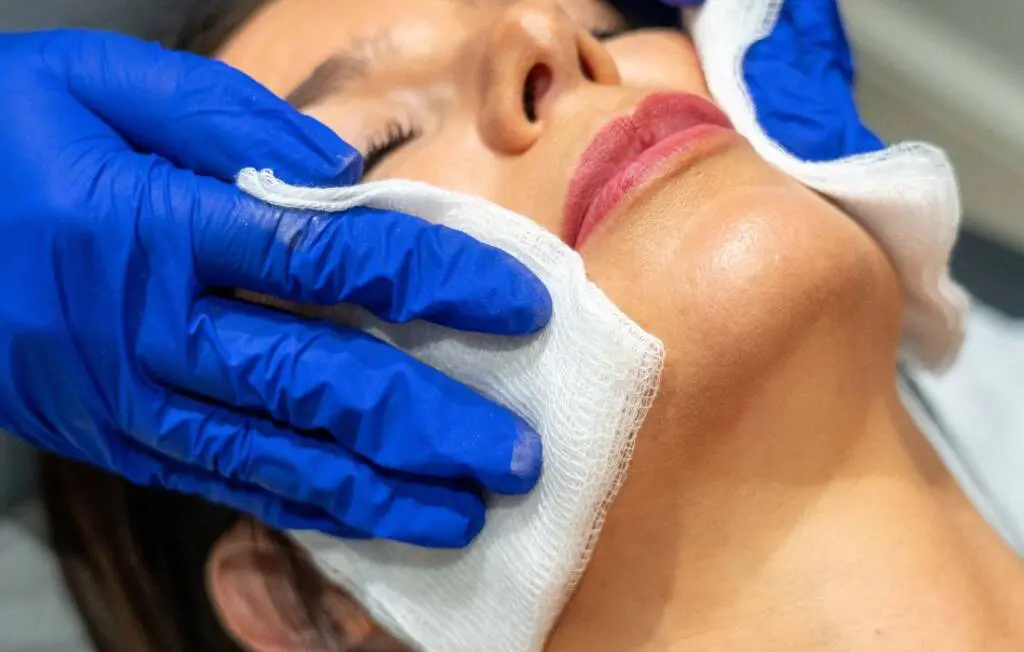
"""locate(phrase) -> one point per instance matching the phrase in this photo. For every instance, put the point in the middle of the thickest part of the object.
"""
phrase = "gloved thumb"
(201, 115)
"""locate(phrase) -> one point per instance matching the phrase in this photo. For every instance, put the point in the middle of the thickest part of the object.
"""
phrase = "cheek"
(659, 59)
(456, 159)
(453, 159)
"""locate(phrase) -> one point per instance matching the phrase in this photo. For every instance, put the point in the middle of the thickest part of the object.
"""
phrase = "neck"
(798, 509)
(815, 533)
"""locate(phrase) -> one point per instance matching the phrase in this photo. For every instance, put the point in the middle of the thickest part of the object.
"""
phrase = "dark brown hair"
(208, 24)
(134, 560)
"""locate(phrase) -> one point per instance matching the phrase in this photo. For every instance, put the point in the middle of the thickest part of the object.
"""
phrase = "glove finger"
(289, 479)
(200, 114)
(151, 469)
(800, 78)
(371, 398)
(144, 467)
(398, 266)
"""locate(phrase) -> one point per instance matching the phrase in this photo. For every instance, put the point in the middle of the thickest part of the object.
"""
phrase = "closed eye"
(395, 136)
(608, 34)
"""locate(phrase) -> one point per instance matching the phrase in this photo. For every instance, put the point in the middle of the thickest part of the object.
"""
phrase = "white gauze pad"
(585, 383)
(905, 196)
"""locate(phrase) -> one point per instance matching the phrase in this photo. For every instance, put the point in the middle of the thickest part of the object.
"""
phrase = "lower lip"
(663, 135)
(668, 156)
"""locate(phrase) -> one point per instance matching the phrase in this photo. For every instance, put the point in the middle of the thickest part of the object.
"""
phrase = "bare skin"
(780, 497)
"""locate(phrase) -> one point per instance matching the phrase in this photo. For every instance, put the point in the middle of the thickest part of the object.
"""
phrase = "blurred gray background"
(145, 18)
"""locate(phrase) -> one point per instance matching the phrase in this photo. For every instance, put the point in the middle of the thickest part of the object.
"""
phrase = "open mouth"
(664, 133)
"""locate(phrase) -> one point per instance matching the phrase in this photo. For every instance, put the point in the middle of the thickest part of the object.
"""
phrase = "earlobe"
(249, 581)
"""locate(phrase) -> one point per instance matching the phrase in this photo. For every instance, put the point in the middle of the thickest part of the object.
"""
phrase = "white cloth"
(906, 196)
(585, 383)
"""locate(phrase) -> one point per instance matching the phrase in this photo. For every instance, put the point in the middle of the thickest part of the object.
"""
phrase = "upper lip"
(622, 140)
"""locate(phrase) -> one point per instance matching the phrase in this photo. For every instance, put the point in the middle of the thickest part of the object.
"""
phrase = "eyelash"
(607, 34)
(396, 135)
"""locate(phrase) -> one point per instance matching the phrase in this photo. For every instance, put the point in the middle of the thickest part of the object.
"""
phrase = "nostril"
(595, 63)
(537, 84)
(585, 67)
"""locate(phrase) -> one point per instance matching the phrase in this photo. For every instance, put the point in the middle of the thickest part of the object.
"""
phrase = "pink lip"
(631, 151)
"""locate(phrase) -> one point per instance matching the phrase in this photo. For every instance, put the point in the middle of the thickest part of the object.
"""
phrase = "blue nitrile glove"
(118, 216)
(801, 78)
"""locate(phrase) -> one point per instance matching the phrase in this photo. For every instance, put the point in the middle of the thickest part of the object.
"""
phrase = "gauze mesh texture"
(585, 383)
(905, 196)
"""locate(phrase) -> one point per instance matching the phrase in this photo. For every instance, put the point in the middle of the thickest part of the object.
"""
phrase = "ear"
(250, 582)
(251, 579)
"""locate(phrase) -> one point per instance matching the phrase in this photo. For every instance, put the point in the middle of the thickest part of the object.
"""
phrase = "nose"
(534, 53)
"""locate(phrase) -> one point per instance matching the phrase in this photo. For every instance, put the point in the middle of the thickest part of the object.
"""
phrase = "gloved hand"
(119, 218)
(801, 79)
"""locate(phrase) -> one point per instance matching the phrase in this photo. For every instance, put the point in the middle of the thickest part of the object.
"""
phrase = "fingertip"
(527, 304)
(457, 528)
(474, 525)
(517, 303)
(527, 457)
(450, 525)
(524, 462)
(269, 133)
(539, 305)
(514, 459)
(317, 157)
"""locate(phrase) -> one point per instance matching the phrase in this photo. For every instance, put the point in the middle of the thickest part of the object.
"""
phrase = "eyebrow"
(330, 77)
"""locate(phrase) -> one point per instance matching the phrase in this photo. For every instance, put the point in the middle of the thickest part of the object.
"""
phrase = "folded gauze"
(905, 196)
(584, 383)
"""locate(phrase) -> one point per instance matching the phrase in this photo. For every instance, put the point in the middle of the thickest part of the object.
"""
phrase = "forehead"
(285, 40)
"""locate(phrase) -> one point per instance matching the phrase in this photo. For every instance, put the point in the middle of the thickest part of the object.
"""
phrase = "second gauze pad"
(585, 383)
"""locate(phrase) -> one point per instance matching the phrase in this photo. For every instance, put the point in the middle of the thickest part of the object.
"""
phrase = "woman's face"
(501, 98)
